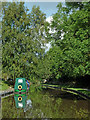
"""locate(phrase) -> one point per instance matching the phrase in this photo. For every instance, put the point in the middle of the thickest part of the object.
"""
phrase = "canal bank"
(85, 93)
(6, 92)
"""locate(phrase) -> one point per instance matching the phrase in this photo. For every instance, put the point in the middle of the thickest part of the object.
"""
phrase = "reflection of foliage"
(9, 110)
(59, 100)
(55, 108)
(82, 113)
(44, 106)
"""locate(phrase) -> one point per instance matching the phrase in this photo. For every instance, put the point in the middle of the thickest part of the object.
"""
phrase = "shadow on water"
(45, 104)
(62, 94)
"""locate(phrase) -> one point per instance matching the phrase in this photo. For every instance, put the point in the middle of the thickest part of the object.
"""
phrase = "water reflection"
(28, 105)
(22, 102)
(45, 104)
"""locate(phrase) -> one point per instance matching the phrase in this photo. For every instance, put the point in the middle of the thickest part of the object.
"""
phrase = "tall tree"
(72, 37)
(24, 36)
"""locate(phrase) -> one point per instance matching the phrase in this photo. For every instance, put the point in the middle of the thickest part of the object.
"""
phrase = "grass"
(3, 86)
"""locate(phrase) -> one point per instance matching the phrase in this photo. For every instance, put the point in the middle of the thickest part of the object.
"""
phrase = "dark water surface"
(47, 104)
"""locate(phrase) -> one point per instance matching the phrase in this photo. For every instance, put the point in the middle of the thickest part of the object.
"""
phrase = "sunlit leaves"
(23, 37)
(73, 22)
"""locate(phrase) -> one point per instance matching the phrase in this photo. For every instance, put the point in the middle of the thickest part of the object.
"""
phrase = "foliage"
(4, 86)
(69, 55)
(23, 36)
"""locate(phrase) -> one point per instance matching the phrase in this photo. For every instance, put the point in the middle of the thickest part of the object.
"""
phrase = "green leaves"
(72, 53)
(25, 35)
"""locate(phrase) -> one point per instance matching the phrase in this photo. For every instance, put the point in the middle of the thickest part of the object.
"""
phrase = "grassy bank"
(4, 86)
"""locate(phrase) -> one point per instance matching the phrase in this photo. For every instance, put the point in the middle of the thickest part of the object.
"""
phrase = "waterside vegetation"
(24, 38)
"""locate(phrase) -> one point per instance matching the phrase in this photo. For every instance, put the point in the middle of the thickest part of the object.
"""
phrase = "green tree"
(12, 36)
(72, 55)
(24, 37)
(37, 33)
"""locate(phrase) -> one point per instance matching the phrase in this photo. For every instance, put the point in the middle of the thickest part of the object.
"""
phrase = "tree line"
(24, 38)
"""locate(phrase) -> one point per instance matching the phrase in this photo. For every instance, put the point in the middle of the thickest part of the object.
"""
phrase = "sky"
(48, 8)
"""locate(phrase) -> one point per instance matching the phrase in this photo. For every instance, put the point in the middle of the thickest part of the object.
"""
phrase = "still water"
(47, 104)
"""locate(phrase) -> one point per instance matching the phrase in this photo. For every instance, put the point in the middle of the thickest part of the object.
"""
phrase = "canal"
(47, 104)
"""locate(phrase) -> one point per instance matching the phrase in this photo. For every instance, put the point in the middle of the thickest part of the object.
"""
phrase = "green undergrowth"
(4, 86)
(34, 88)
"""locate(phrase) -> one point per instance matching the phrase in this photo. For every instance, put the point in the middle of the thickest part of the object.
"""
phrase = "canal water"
(47, 104)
